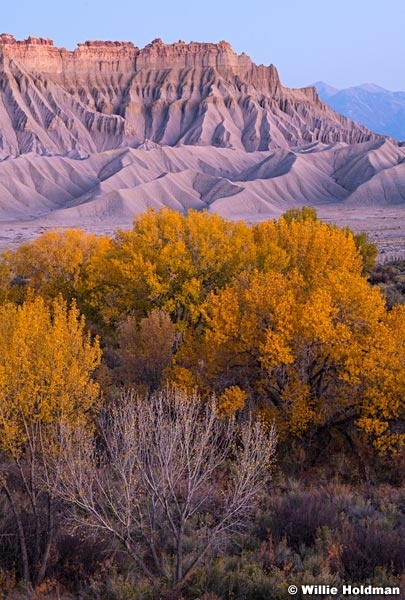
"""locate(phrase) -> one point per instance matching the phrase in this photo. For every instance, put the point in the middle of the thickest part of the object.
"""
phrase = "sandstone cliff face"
(105, 95)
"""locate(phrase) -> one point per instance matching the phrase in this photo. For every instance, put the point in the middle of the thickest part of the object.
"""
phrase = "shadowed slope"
(124, 182)
(107, 95)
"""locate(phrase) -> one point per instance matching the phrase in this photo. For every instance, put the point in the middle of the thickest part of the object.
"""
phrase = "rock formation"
(106, 95)
(117, 184)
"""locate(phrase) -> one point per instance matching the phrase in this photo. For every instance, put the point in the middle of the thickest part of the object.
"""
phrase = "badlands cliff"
(106, 95)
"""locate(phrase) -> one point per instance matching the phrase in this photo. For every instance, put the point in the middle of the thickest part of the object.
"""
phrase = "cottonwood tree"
(46, 363)
(168, 479)
(317, 355)
(52, 263)
(168, 261)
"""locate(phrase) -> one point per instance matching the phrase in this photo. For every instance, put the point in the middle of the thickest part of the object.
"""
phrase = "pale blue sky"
(344, 43)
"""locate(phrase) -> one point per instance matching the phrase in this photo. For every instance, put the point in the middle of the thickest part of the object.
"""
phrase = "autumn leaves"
(277, 316)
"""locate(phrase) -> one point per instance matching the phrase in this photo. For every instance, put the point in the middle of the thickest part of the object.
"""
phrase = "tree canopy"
(278, 315)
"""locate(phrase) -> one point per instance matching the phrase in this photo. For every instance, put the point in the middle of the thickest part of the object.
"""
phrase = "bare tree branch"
(165, 463)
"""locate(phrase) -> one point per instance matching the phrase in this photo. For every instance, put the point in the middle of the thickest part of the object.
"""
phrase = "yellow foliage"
(46, 364)
(170, 261)
(278, 310)
(52, 263)
(313, 342)
(299, 406)
(383, 381)
(231, 400)
(182, 379)
(317, 249)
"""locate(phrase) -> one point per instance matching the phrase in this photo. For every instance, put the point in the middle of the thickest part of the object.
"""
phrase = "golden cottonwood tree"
(46, 363)
(52, 263)
(382, 381)
(313, 344)
(310, 360)
(315, 249)
(168, 261)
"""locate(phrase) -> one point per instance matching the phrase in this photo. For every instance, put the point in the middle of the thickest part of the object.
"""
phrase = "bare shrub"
(370, 545)
(168, 480)
(299, 514)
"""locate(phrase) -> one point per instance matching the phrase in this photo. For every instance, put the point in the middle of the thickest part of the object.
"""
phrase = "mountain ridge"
(105, 95)
(375, 107)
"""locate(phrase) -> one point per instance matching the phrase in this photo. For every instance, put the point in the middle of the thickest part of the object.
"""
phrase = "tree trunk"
(21, 537)
(179, 569)
(45, 556)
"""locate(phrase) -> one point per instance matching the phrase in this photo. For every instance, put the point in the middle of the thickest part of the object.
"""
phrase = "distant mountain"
(378, 109)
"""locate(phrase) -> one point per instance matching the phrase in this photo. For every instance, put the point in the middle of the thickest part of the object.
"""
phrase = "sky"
(344, 43)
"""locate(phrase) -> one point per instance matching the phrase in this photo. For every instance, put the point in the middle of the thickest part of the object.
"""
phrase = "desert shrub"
(390, 278)
(371, 545)
(116, 586)
(80, 557)
(297, 515)
(234, 577)
(266, 572)
(8, 580)
(334, 533)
